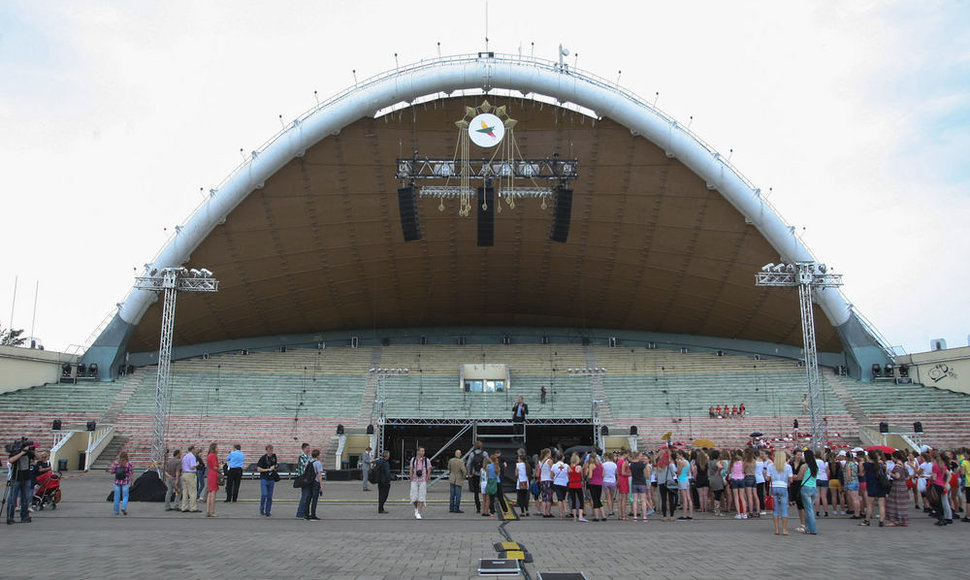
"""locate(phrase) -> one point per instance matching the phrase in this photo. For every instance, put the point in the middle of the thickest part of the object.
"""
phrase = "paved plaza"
(83, 539)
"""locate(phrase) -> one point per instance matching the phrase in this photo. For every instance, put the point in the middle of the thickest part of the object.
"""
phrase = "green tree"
(11, 337)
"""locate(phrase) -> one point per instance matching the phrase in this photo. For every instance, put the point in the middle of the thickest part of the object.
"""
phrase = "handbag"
(274, 475)
(523, 485)
(220, 479)
(491, 488)
(770, 502)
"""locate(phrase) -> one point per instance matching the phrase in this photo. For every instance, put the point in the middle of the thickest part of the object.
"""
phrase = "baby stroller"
(48, 492)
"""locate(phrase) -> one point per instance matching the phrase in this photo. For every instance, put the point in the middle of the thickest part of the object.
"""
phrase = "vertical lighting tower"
(594, 374)
(380, 401)
(806, 276)
(172, 281)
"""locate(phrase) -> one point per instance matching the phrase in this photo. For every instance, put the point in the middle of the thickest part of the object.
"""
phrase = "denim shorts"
(821, 483)
(854, 486)
(637, 488)
(737, 484)
(749, 481)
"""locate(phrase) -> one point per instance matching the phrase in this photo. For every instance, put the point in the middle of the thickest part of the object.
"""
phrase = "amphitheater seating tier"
(301, 395)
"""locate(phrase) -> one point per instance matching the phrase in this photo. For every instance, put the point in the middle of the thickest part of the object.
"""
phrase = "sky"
(854, 117)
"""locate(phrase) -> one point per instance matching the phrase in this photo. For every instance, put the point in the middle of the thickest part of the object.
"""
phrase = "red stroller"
(48, 492)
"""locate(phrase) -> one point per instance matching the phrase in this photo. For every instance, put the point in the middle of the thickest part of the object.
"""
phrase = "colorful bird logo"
(486, 129)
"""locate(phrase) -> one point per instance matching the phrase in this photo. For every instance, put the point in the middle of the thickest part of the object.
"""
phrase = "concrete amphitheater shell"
(665, 234)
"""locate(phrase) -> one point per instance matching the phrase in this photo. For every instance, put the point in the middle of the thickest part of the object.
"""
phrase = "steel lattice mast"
(171, 281)
(806, 276)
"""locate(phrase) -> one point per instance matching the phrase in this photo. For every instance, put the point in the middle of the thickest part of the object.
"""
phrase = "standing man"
(542, 394)
(301, 510)
(364, 465)
(419, 475)
(235, 460)
(173, 471)
(473, 466)
(19, 483)
(456, 477)
(383, 480)
(316, 488)
(189, 488)
(519, 411)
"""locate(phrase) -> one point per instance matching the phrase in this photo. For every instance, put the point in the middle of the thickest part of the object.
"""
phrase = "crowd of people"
(869, 486)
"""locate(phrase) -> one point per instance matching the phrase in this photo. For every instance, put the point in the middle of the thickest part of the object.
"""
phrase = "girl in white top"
(609, 480)
(759, 479)
(522, 483)
(822, 483)
(560, 480)
(545, 482)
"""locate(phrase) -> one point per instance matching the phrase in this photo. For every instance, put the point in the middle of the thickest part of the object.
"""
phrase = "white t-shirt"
(823, 469)
(927, 469)
(759, 471)
(560, 474)
(546, 471)
(522, 471)
(779, 479)
(609, 472)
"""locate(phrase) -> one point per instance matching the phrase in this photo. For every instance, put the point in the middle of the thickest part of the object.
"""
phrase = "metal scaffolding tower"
(380, 403)
(171, 281)
(806, 276)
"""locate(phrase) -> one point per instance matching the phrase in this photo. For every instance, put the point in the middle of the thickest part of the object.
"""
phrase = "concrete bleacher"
(433, 388)
(285, 398)
(945, 414)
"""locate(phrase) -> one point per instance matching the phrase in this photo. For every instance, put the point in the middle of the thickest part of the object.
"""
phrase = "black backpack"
(478, 460)
(373, 473)
(120, 473)
(306, 478)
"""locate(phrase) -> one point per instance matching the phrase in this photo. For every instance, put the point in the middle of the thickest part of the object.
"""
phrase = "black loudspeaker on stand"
(409, 213)
(562, 213)
(486, 216)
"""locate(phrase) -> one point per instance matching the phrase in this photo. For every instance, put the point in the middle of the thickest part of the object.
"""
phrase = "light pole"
(806, 276)
(381, 399)
(171, 281)
(594, 373)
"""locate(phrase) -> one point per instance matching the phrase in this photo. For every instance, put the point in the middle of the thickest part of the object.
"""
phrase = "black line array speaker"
(562, 212)
(408, 205)
(486, 216)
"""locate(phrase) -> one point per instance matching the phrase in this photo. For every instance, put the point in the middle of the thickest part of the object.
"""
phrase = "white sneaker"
(417, 515)
(651, 512)
(739, 517)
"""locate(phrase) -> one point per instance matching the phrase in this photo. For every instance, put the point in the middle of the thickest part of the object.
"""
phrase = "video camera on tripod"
(20, 445)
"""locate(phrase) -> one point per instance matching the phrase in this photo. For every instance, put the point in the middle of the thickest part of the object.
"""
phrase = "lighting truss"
(806, 276)
(380, 401)
(455, 192)
(548, 169)
(171, 281)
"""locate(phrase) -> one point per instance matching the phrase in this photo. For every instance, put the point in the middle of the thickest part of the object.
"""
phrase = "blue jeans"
(301, 511)
(781, 501)
(121, 495)
(266, 487)
(21, 489)
(808, 500)
(454, 497)
(311, 509)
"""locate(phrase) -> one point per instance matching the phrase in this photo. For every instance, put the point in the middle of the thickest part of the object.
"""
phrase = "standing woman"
(683, 484)
(122, 471)
(874, 493)
(716, 479)
(522, 483)
(623, 484)
(851, 475)
(749, 466)
(702, 481)
(594, 477)
(639, 485)
(575, 474)
(737, 485)
(545, 482)
(795, 489)
(897, 504)
(781, 477)
(212, 480)
(490, 471)
(268, 476)
(807, 475)
(609, 481)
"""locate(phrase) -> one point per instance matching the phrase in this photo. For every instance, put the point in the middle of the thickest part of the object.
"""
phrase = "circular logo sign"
(486, 130)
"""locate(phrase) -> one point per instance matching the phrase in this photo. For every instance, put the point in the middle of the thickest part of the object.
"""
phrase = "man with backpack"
(419, 474)
(473, 465)
(301, 466)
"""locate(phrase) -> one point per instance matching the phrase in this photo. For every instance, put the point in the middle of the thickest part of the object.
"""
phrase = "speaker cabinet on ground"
(408, 205)
(486, 216)
(562, 213)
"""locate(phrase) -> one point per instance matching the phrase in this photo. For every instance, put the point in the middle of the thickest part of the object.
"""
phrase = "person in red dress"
(212, 480)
